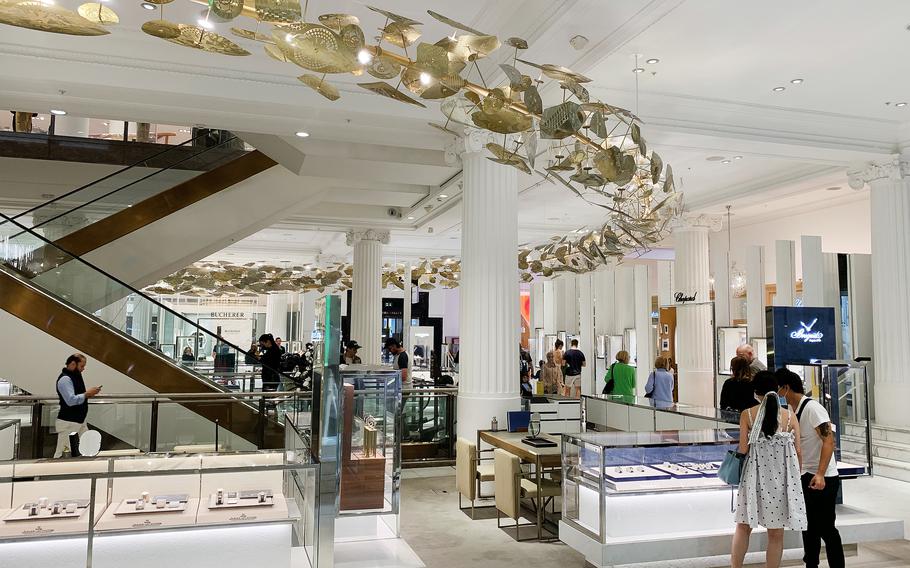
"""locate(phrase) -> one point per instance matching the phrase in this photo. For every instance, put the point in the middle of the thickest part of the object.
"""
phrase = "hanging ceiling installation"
(590, 148)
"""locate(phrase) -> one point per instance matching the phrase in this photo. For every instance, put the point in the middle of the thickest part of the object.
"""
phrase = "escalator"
(46, 315)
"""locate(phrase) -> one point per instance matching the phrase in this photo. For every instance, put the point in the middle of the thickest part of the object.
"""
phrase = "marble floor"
(444, 537)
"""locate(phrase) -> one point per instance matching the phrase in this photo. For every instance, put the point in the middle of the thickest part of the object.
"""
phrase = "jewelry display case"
(204, 510)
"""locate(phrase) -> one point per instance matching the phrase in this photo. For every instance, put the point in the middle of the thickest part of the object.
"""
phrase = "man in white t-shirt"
(821, 484)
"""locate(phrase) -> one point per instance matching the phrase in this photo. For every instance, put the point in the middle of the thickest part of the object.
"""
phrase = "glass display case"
(600, 347)
(671, 474)
(760, 345)
(204, 510)
(728, 340)
(9, 439)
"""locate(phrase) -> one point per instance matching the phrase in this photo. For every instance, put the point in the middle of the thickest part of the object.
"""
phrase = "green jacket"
(623, 379)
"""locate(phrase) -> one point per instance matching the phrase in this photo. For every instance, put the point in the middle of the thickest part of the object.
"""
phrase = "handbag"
(731, 469)
(611, 384)
(651, 393)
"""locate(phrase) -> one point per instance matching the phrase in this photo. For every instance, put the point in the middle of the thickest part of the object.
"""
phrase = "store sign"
(806, 334)
(682, 298)
(228, 315)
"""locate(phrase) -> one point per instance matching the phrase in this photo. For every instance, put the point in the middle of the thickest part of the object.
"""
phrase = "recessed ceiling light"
(106, 123)
(725, 161)
(443, 196)
(411, 217)
(364, 57)
(779, 89)
(737, 157)
(205, 23)
(301, 134)
(714, 158)
(148, 5)
(900, 104)
(796, 81)
(652, 61)
(638, 70)
(58, 112)
(834, 188)
(425, 78)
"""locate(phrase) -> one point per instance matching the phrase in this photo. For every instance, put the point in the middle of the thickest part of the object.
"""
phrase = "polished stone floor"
(444, 537)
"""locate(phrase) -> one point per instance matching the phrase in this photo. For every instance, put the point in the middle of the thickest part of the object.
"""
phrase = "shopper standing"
(770, 494)
(748, 352)
(73, 398)
(350, 357)
(400, 359)
(820, 479)
(659, 387)
(574, 360)
(736, 393)
(271, 362)
(623, 376)
(551, 374)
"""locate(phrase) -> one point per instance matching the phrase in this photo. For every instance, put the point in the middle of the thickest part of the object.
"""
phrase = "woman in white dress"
(770, 492)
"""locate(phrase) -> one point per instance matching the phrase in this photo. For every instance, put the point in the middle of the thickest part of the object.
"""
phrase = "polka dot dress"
(770, 491)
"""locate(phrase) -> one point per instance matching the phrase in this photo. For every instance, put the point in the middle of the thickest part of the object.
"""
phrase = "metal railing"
(161, 422)
(428, 425)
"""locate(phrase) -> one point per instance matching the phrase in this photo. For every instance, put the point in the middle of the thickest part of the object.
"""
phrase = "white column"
(406, 305)
(549, 307)
(890, 183)
(813, 262)
(537, 309)
(694, 326)
(366, 297)
(755, 291)
(785, 275)
(644, 336)
(664, 283)
(276, 315)
(566, 293)
(586, 331)
(723, 294)
(488, 378)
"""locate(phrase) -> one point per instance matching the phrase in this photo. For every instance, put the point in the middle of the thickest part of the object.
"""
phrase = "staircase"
(42, 319)
(890, 448)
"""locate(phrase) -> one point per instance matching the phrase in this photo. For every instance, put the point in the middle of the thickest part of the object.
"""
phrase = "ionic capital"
(354, 236)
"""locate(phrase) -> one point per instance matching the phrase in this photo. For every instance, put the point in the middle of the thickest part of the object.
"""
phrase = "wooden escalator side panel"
(146, 212)
(126, 356)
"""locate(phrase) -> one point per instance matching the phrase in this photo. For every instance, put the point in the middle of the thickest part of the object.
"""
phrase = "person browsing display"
(659, 387)
(820, 479)
(574, 360)
(620, 377)
(400, 360)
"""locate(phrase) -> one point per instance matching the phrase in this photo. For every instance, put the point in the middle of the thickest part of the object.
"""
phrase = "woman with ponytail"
(770, 491)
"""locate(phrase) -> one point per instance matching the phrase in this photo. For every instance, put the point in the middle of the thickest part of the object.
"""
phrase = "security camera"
(394, 212)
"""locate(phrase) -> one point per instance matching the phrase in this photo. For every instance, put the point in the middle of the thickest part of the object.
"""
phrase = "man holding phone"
(821, 483)
(73, 397)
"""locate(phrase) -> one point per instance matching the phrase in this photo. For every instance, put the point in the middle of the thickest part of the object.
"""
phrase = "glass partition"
(728, 340)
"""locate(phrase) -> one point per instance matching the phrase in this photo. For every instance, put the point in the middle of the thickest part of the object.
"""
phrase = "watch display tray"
(128, 506)
(707, 469)
(21, 513)
(233, 500)
(538, 442)
(677, 472)
(638, 473)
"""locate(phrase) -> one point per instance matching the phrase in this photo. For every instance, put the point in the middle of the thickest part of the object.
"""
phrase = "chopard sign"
(681, 297)
(805, 333)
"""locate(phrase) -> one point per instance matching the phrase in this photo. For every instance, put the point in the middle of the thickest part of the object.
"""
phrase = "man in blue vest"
(73, 397)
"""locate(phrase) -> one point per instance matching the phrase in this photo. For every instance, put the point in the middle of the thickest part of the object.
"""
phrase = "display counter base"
(855, 527)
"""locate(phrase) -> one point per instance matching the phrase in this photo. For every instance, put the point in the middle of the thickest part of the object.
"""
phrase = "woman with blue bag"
(770, 491)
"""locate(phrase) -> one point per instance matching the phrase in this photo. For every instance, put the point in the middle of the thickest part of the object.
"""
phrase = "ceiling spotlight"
(779, 89)
(58, 112)
(714, 158)
(301, 134)
(148, 5)
(796, 81)
(410, 217)
(652, 61)
(364, 57)
(900, 105)
(638, 70)
(204, 23)
(725, 162)
(737, 157)
(578, 42)
(443, 196)
(425, 78)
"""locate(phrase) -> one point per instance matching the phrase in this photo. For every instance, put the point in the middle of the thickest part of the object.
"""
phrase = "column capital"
(354, 236)
(474, 140)
(695, 221)
(863, 173)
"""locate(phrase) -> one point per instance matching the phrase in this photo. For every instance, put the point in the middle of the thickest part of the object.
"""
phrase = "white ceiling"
(710, 95)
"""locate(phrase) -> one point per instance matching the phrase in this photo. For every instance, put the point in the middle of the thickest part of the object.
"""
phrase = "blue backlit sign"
(799, 335)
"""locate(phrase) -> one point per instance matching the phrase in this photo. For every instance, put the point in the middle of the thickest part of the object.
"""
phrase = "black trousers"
(820, 508)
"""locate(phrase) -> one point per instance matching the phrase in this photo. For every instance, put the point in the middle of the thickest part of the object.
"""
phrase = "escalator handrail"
(132, 291)
(110, 175)
(113, 191)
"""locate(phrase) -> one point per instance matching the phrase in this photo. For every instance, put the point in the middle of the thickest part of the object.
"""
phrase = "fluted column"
(890, 186)
(490, 325)
(366, 303)
(694, 321)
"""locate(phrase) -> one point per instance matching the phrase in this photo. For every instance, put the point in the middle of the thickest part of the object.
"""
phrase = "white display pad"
(231, 500)
(676, 471)
(172, 504)
(41, 528)
(151, 519)
(278, 510)
(44, 514)
(634, 473)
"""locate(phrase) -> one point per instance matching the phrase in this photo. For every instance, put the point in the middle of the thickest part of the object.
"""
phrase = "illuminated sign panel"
(799, 335)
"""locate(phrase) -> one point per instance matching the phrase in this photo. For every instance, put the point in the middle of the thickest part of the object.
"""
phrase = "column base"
(476, 411)
(696, 387)
(891, 404)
